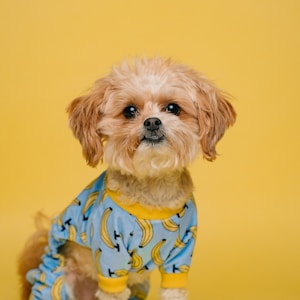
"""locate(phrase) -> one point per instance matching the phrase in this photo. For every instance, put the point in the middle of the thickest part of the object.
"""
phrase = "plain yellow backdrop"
(248, 199)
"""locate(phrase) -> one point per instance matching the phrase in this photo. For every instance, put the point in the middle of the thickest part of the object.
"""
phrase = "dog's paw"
(173, 294)
(101, 295)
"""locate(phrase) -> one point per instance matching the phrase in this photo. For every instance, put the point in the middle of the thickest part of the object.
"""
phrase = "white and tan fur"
(151, 172)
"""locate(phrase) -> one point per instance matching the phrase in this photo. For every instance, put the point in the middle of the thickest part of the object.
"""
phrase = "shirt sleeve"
(179, 261)
(176, 267)
(110, 253)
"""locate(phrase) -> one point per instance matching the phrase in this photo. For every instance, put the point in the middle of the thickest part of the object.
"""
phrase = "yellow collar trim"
(143, 212)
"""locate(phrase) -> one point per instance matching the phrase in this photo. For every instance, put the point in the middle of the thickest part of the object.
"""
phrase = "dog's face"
(150, 117)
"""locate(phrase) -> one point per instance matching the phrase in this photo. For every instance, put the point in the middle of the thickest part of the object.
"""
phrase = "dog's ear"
(84, 116)
(215, 115)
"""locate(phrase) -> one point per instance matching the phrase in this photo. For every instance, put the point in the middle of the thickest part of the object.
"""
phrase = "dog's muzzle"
(153, 131)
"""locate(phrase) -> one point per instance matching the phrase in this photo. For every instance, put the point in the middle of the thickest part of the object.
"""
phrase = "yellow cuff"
(112, 285)
(173, 281)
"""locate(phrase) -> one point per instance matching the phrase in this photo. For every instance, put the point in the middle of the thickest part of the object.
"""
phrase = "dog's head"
(149, 117)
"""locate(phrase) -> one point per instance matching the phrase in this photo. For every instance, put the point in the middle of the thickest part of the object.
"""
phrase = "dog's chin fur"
(150, 160)
(157, 161)
(151, 171)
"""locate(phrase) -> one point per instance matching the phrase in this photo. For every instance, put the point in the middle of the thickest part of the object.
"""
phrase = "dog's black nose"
(152, 124)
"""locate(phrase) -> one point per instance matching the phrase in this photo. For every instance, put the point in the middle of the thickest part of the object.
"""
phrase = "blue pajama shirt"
(123, 238)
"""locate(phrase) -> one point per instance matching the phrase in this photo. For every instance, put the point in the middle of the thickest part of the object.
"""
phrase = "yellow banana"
(184, 268)
(181, 214)
(42, 280)
(40, 287)
(155, 253)
(42, 277)
(89, 202)
(193, 230)
(56, 288)
(142, 270)
(170, 225)
(147, 231)
(104, 230)
(121, 273)
(103, 196)
(179, 243)
(75, 202)
(97, 260)
(137, 261)
(83, 237)
(72, 233)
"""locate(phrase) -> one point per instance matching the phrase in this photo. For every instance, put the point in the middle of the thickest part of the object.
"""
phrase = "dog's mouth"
(154, 137)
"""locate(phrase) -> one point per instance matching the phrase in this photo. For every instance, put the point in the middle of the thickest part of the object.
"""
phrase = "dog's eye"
(130, 112)
(173, 108)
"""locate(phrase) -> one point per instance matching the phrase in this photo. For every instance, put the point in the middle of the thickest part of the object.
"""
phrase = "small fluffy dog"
(148, 120)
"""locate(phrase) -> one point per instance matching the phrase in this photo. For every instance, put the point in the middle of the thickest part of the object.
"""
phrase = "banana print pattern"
(182, 212)
(137, 261)
(83, 237)
(184, 268)
(120, 241)
(97, 258)
(142, 270)
(40, 288)
(56, 289)
(120, 273)
(169, 224)
(104, 228)
(193, 230)
(147, 231)
(89, 203)
(72, 233)
(155, 253)
(179, 243)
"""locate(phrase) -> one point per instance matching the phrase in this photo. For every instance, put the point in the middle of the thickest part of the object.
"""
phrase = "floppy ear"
(84, 115)
(215, 115)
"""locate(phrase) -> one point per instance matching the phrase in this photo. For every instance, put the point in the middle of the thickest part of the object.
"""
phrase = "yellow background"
(52, 51)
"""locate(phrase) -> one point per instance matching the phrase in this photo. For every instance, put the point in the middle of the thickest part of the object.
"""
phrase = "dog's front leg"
(173, 294)
(101, 295)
